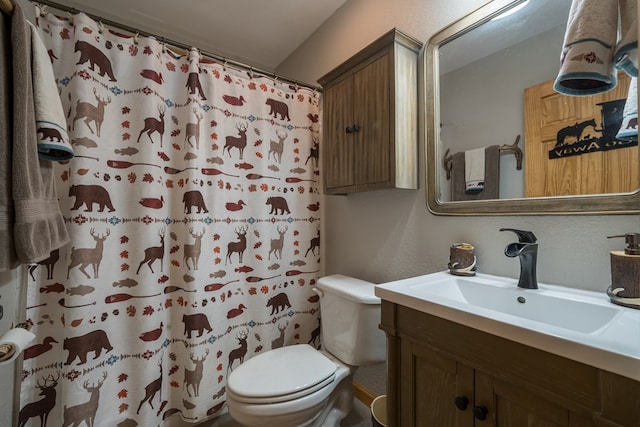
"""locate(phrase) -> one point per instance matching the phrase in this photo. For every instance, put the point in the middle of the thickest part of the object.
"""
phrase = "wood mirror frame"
(619, 203)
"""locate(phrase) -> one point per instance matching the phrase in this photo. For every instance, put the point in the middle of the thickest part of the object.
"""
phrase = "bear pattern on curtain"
(193, 209)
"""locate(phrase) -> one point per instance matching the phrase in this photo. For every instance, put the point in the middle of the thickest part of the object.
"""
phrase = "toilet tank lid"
(350, 288)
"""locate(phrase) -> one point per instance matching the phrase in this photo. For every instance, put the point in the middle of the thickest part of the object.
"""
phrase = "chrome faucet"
(527, 249)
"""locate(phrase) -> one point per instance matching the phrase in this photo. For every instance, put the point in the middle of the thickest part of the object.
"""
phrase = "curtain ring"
(224, 65)
(136, 37)
(43, 10)
(70, 17)
(251, 73)
(100, 27)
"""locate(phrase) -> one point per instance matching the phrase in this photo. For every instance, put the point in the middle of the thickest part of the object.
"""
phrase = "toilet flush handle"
(318, 291)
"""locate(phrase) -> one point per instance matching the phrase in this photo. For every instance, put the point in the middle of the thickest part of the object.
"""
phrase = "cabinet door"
(429, 398)
(338, 145)
(372, 113)
(510, 406)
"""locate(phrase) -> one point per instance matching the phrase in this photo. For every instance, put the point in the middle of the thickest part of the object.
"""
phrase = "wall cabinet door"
(371, 108)
(338, 153)
(357, 128)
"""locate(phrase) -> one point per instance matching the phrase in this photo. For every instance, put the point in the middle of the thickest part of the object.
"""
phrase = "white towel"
(53, 140)
(474, 170)
(626, 52)
(629, 127)
(586, 60)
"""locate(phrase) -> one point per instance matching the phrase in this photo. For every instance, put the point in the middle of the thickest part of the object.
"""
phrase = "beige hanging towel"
(31, 224)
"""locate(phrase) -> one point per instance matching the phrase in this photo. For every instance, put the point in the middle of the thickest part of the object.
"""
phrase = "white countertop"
(579, 325)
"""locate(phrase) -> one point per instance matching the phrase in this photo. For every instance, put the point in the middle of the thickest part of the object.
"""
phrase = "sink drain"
(522, 300)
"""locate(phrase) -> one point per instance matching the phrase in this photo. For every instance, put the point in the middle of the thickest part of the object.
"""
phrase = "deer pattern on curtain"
(193, 206)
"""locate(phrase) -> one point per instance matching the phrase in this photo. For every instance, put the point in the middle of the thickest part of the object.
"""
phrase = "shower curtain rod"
(174, 43)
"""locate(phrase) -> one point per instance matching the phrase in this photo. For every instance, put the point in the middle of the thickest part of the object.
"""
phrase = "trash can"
(379, 411)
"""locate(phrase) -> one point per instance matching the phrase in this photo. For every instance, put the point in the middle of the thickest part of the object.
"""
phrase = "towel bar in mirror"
(480, 89)
(447, 161)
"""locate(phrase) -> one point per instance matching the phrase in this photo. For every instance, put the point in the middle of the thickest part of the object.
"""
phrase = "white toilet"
(300, 386)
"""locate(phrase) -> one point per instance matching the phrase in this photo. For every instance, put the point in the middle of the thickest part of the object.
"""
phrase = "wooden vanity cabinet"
(370, 129)
(441, 373)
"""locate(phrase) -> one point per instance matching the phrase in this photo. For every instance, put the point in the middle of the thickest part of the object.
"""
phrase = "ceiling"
(260, 33)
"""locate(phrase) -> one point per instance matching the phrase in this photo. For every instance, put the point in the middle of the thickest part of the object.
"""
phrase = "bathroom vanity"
(469, 352)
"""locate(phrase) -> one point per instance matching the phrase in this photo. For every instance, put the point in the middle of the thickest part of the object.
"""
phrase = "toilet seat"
(281, 375)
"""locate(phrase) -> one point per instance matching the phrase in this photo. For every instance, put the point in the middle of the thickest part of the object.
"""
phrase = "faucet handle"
(523, 236)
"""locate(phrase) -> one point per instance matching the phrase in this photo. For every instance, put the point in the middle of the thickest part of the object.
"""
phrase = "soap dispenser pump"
(633, 242)
(625, 272)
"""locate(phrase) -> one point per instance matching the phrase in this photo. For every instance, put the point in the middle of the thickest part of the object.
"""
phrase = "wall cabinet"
(370, 128)
(441, 373)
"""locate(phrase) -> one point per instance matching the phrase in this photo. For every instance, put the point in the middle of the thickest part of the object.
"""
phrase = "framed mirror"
(480, 76)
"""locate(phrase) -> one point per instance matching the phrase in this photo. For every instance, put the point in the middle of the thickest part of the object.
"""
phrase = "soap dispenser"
(625, 272)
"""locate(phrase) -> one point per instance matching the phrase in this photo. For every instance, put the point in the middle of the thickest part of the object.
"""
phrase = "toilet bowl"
(290, 386)
(299, 386)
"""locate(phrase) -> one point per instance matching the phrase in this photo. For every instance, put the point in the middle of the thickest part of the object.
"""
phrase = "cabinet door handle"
(462, 402)
(480, 412)
(350, 129)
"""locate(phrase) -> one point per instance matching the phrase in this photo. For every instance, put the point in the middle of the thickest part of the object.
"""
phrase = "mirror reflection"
(503, 132)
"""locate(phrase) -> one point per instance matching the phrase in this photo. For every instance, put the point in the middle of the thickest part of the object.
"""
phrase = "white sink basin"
(580, 325)
(555, 307)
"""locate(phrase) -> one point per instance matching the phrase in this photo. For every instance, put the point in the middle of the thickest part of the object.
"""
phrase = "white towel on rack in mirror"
(474, 170)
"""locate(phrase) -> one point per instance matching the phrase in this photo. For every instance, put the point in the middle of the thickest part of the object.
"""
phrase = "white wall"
(390, 234)
(10, 302)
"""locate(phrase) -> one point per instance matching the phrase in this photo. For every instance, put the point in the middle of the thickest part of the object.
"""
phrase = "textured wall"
(388, 235)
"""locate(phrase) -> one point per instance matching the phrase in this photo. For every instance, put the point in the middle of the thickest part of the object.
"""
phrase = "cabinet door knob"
(350, 129)
(480, 412)
(462, 402)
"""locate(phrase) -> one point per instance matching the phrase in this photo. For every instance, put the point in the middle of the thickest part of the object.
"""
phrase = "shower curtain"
(193, 209)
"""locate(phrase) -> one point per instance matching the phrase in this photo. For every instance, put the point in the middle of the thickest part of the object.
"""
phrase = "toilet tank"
(350, 315)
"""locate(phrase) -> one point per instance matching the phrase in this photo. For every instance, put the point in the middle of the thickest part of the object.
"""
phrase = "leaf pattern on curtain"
(193, 208)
